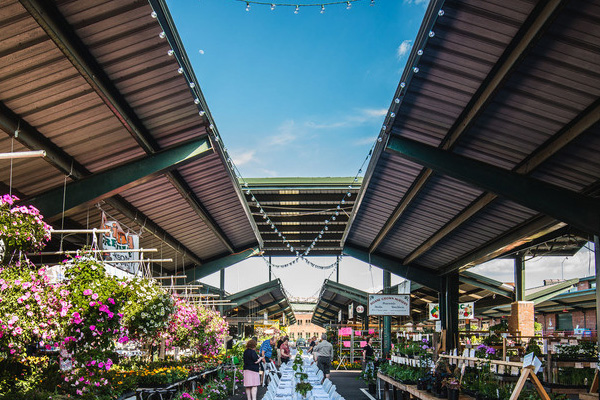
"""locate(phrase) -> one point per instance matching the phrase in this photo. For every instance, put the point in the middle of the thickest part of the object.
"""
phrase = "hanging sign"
(117, 239)
(389, 304)
(340, 316)
(360, 309)
(350, 310)
(465, 311)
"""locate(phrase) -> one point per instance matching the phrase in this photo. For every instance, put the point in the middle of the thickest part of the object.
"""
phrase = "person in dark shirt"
(279, 342)
(313, 343)
(368, 354)
(251, 375)
(285, 350)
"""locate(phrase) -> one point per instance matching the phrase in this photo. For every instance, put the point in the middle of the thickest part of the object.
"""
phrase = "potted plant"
(302, 387)
(453, 387)
(369, 376)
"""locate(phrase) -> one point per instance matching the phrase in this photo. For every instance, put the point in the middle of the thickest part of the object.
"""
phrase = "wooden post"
(503, 349)
(594, 388)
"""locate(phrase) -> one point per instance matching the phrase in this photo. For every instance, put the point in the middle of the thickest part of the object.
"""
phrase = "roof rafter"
(59, 30)
(514, 54)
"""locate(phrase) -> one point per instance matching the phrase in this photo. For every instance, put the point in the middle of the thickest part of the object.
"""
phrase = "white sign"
(389, 304)
(340, 316)
(350, 310)
(360, 309)
(117, 239)
(532, 361)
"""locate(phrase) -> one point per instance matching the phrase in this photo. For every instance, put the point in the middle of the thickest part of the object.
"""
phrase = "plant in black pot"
(369, 376)
(452, 386)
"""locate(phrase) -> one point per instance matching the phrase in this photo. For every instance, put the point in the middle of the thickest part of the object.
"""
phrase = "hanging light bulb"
(297, 10)
(383, 128)
(348, 5)
(349, 194)
(416, 69)
(441, 13)
(247, 6)
(326, 228)
(326, 221)
(337, 213)
(192, 85)
(201, 113)
(420, 52)
(196, 101)
(153, 14)
(170, 53)
(272, 7)
(180, 70)
(355, 179)
(397, 100)
(431, 33)
(343, 201)
(322, 9)
(392, 115)
(372, 3)
(379, 139)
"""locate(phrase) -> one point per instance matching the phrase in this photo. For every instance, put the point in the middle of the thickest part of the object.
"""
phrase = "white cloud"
(365, 141)
(361, 116)
(243, 158)
(286, 133)
(201, 51)
(404, 48)
(417, 2)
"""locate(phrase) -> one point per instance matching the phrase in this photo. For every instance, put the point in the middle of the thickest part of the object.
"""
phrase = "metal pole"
(222, 282)
(519, 277)
(387, 320)
(337, 270)
(597, 264)
(269, 268)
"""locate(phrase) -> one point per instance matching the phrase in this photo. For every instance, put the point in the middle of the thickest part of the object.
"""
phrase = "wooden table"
(411, 390)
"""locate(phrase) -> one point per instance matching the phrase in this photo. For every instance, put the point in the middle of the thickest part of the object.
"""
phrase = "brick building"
(304, 328)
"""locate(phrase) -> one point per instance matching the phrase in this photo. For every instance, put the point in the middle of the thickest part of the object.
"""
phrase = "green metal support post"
(448, 299)
(387, 320)
(597, 271)
(222, 287)
(337, 270)
(116, 179)
(270, 269)
(519, 277)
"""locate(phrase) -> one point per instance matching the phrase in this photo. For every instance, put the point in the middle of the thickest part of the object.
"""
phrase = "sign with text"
(465, 311)
(389, 304)
(117, 239)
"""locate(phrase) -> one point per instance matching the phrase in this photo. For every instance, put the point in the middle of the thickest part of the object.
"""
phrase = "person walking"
(323, 354)
(285, 350)
(266, 352)
(368, 357)
(251, 374)
(313, 343)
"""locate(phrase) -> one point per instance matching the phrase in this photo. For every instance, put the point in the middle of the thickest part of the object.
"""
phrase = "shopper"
(285, 350)
(368, 357)
(323, 354)
(313, 343)
(266, 352)
(279, 342)
(251, 375)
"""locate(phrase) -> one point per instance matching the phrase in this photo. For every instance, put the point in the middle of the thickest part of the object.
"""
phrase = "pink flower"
(92, 327)
(111, 301)
(87, 292)
(95, 296)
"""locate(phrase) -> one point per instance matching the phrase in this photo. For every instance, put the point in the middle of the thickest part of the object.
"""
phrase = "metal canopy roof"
(509, 84)
(92, 83)
(484, 291)
(269, 297)
(298, 208)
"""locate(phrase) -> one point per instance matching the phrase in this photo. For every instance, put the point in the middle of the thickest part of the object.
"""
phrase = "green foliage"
(585, 350)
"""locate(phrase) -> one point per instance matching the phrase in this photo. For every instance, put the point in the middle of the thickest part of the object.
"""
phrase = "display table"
(411, 389)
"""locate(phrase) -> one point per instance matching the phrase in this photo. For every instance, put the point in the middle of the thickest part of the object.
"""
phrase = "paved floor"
(347, 385)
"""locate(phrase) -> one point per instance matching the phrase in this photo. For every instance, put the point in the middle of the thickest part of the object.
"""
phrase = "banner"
(117, 239)
(350, 310)
(465, 311)
(389, 304)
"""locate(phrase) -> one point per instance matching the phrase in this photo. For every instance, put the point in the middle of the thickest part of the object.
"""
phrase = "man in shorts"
(323, 354)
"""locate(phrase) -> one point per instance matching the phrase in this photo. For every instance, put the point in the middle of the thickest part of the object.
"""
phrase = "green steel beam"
(413, 273)
(568, 206)
(211, 267)
(482, 282)
(519, 277)
(333, 303)
(552, 291)
(347, 291)
(271, 304)
(114, 180)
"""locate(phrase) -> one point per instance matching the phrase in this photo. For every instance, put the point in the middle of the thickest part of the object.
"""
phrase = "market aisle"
(348, 384)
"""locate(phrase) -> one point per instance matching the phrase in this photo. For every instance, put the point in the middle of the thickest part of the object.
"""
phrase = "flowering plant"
(483, 351)
(94, 322)
(21, 228)
(31, 310)
(196, 327)
(147, 310)
(451, 383)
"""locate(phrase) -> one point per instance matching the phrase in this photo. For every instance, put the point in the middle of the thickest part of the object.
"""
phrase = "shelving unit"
(354, 352)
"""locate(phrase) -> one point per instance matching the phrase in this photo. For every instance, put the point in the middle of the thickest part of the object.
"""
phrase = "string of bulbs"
(388, 120)
(297, 6)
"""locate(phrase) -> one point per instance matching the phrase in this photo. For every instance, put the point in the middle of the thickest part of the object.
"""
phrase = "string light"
(297, 6)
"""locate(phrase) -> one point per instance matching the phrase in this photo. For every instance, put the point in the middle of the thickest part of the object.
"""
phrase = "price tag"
(573, 342)
(578, 365)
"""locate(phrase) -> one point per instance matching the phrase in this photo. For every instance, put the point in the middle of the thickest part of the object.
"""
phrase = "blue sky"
(298, 94)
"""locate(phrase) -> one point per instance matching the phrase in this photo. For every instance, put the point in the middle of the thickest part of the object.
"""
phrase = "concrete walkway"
(346, 382)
